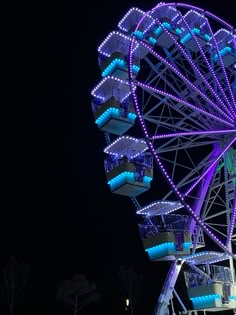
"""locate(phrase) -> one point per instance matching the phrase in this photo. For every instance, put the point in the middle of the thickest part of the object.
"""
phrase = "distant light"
(127, 302)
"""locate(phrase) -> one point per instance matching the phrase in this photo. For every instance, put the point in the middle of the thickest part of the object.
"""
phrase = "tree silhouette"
(14, 278)
(130, 283)
(77, 293)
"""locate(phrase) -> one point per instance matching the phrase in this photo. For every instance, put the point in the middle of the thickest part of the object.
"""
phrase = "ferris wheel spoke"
(186, 81)
(192, 213)
(212, 165)
(181, 101)
(209, 66)
(193, 65)
(216, 228)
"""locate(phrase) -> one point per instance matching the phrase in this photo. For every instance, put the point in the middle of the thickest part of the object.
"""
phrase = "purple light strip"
(145, 86)
(217, 159)
(209, 66)
(193, 133)
(174, 69)
(152, 149)
(195, 68)
(224, 72)
(232, 221)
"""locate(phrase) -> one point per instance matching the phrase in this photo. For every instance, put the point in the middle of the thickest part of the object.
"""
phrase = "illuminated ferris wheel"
(166, 103)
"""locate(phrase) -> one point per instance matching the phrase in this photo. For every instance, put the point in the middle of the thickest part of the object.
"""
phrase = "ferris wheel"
(166, 103)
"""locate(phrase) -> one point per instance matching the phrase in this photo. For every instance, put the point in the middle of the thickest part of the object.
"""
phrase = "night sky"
(58, 212)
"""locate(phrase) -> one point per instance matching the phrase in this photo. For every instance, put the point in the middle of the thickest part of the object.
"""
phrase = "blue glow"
(122, 178)
(166, 25)
(135, 69)
(223, 52)
(121, 64)
(139, 34)
(147, 179)
(178, 31)
(207, 37)
(152, 40)
(158, 31)
(204, 301)
(196, 31)
(107, 115)
(131, 117)
(186, 38)
(112, 112)
(116, 63)
(164, 249)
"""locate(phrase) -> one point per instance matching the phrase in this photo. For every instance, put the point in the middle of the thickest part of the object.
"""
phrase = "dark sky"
(59, 214)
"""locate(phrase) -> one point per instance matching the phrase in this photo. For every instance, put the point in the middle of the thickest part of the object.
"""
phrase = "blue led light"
(131, 117)
(118, 63)
(207, 37)
(107, 115)
(186, 38)
(205, 301)
(158, 31)
(152, 40)
(164, 249)
(166, 25)
(135, 69)
(206, 297)
(223, 52)
(178, 31)
(121, 179)
(196, 31)
(138, 34)
(147, 179)
(112, 112)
